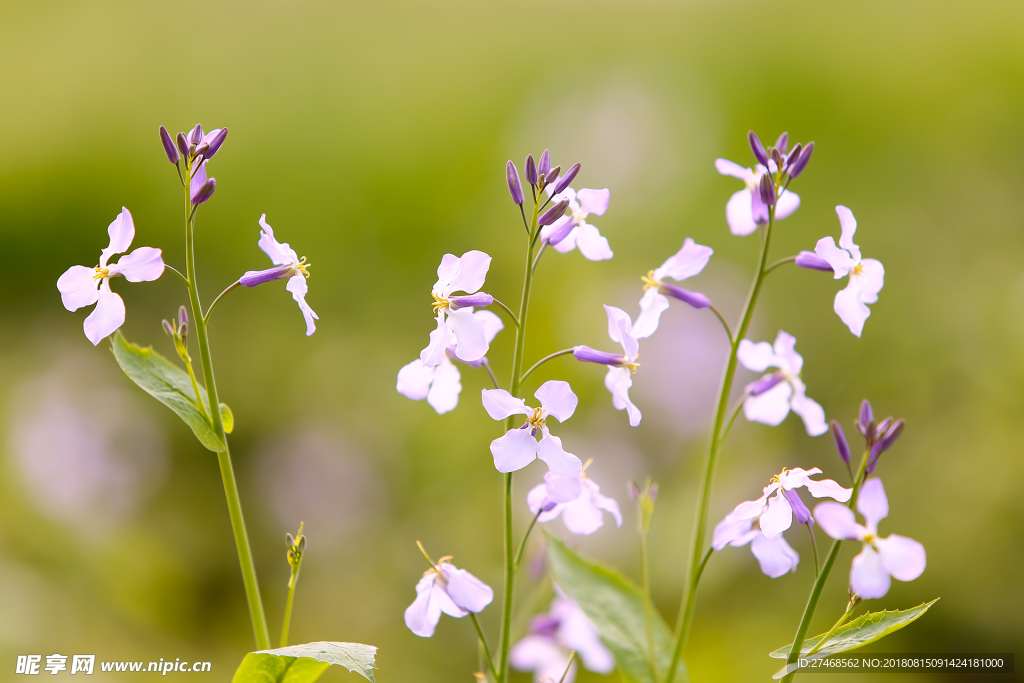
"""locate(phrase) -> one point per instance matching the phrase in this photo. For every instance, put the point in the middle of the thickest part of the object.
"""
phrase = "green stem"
(842, 620)
(686, 609)
(483, 641)
(814, 547)
(725, 323)
(780, 262)
(645, 571)
(526, 536)
(288, 604)
(206, 317)
(568, 666)
(195, 386)
(541, 362)
(252, 591)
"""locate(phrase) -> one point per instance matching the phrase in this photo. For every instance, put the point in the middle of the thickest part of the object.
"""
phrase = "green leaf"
(168, 384)
(616, 606)
(864, 629)
(227, 418)
(305, 663)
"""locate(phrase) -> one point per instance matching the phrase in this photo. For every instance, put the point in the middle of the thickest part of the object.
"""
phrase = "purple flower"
(83, 286)
(893, 556)
(445, 588)
(771, 406)
(775, 512)
(441, 384)
(866, 275)
(687, 262)
(619, 377)
(546, 649)
(810, 260)
(289, 267)
(577, 500)
(519, 446)
(775, 556)
(745, 209)
(457, 274)
(572, 231)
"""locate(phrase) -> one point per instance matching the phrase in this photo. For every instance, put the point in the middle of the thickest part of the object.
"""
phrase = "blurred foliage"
(373, 135)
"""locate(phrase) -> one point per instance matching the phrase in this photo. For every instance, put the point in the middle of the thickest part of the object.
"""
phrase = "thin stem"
(288, 605)
(735, 414)
(508, 310)
(543, 248)
(178, 273)
(483, 641)
(542, 361)
(814, 547)
(780, 262)
(195, 386)
(645, 571)
(209, 310)
(522, 546)
(728, 330)
(686, 609)
(522, 212)
(487, 367)
(704, 562)
(572, 656)
(849, 608)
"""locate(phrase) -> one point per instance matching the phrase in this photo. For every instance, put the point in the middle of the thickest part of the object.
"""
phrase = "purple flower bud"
(560, 232)
(777, 157)
(634, 490)
(586, 354)
(767, 189)
(544, 625)
(695, 299)
(531, 170)
(569, 176)
(873, 459)
(479, 300)
(894, 432)
(808, 259)
(794, 155)
(168, 328)
(205, 192)
(195, 136)
(800, 510)
(866, 417)
(801, 163)
(515, 188)
(871, 432)
(841, 444)
(552, 175)
(782, 142)
(182, 316)
(202, 148)
(545, 164)
(755, 144)
(764, 384)
(253, 278)
(554, 213)
(883, 427)
(169, 149)
(216, 142)
(182, 144)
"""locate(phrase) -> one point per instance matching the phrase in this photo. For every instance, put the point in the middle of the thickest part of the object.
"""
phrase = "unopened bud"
(569, 176)
(758, 148)
(794, 155)
(545, 164)
(871, 431)
(531, 170)
(585, 354)
(866, 417)
(205, 192)
(777, 157)
(515, 188)
(552, 175)
(554, 213)
(841, 444)
(653, 492)
(182, 315)
(202, 149)
(216, 141)
(810, 260)
(169, 149)
(289, 541)
(478, 300)
(883, 427)
(302, 542)
(894, 433)
(782, 142)
(182, 144)
(168, 327)
(195, 136)
(767, 189)
(634, 490)
(801, 163)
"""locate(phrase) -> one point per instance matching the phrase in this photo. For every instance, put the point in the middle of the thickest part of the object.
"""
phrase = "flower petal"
(775, 555)
(470, 334)
(594, 201)
(106, 317)
(618, 381)
(562, 489)
(868, 575)
(581, 517)
(732, 532)
(578, 633)
(558, 459)
(757, 357)
(514, 451)
(750, 509)
(771, 407)
(850, 308)
(778, 517)
(739, 213)
(280, 253)
(434, 353)
(731, 168)
(609, 505)
(617, 317)
(836, 520)
(121, 231)
(414, 380)
(809, 411)
(197, 182)
(444, 392)
(872, 503)
(591, 243)
(557, 399)
(787, 203)
(472, 272)
(840, 260)
(465, 590)
(849, 228)
(685, 263)
(903, 557)
(78, 287)
(298, 287)
(500, 404)
(828, 488)
(652, 305)
(870, 280)
(145, 264)
(785, 345)
(447, 270)
(423, 614)
(543, 656)
(491, 322)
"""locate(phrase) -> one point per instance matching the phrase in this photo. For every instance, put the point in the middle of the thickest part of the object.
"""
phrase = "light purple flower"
(83, 286)
(445, 588)
(893, 556)
(519, 447)
(573, 230)
(685, 263)
(289, 267)
(745, 210)
(577, 500)
(455, 274)
(619, 378)
(775, 556)
(553, 636)
(775, 512)
(441, 384)
(770, 398)
(867, 276)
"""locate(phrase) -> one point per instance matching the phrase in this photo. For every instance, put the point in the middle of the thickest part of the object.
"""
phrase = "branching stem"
(542, 361)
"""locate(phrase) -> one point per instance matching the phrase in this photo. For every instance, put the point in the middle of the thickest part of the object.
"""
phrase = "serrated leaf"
(305, 663)
(865, 629)
(167, 383)
(227, 418)
(616, 606)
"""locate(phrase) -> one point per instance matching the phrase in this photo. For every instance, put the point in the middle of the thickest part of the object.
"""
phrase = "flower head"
(621, 367)
(458, 274)
(867, 276)
(684, 264)
(775, 556)
(573, 230)
(441, 384)
(546, 649)
(83, 286)
(745, 209)
(770, 398)
(577, 499)
(445, 588)
(779, 501)
(519, 447)
(288, 267)
(881, 558)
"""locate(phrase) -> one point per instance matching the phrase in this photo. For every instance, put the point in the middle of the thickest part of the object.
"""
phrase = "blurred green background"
(373, 135)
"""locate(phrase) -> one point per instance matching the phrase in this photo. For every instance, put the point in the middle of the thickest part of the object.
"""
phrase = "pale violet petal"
(731, 168)
(106, 317)
(739, 213)
(280, 253)
(145, 264)
(414, 380)
(558, 459)
(434, 353)
(297, 286)
(778, 517)
(422, 615)
(902, 557)
(491, 322)
(465, 590)
(609, 505)
(447, 270)
(771, 407)
(472, 272)
(514, 451)
(652, 305)
(872, 504)
(536, 497)
(836, 520)
(727, 532)
(121, 232)
(615, 317)
(870, 280)
(851, 309)
(581, 517)
(198, 180)
(470, 334)
(557, 399)
(757, 357)
(810, 412)
(594, 201)
(849, 228)
(568, 243)
(591, 243)
(828, 488)
(562, 489)
(629, 343)
(750, 509)
(868, 575)
(578, 633)
(840, 260)
(444, 392)
(541, 655)
(690, 260)
(784, 346)
(78, 287)
(500, 404)
(788, 203)
(618, 381)
(775, 555)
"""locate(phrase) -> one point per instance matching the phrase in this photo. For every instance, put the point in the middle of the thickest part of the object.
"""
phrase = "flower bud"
(695, 299)
(569, 176)
(195, 136)
(169, 148)
(205, 192)
(202, 149)
(289, 542)
(182, 315)
(302, 542)
(793, 155)
(801, 163)
(586, 354)
(866, 417)
(479, 300)
(800, 511)
(782, 142)
(515, 188)
(890, 437)
(873, 458)
(545, 164)
(777, 157)
(182, 144)
(767, 190)
(552, 175)
(758, 148)
(871, 431)
(883, 427)
(764, 385)
(216, 141)
(168, 327)
(554, 213)
(634, 490)
(653, 492)
(252, 278)
(810, 260)
(841, 444)
(531, 170)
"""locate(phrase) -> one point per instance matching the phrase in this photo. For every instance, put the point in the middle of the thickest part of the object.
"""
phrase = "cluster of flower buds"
(196, 148)
(295, 547)
(790, 162)
(540, 175)
(878, 436)
(178, 331)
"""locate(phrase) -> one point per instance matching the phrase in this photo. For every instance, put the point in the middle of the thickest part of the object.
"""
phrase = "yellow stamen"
(632, 365)
(649, 281)
(301, 266)
(440, 303)
(777, 479)
(101, 273)
(858, 269)
(537, 420)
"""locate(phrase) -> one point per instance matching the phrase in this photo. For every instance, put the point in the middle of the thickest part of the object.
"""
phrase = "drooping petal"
(465, 590)
(500, 404)
(732, 532)
(870, 280)
(434, 353)
(809, 411)
(775, 555)
(872, 503)
(652, 305)
(78, 287)
(836, 520)
(121, 231)
(514, 451)
(618, 381)
(491, 322)
(557, 399)
(850, 308)
(785, 345)
(750, 509)
(828, 488)
(849, 228)
(414, 380)
(106, 317)
(197, 182)
(731, 168)
(840, 260)
(609, 505)
(472, 272)
(423, 614)
(902, 557)
(470, 334)
(685, 263)
(562, 489)
(581, 517)
(739, 213)
(868, 575)
(444, 392)
(558, 459)
(280, 253)
(616, 316)
(447, 270)
(771, 407)
(591, 243)
(535, 500)
(778, 517)
(145, 264)
(787, 203)
(757, 357)
(578, 633)
(298, 287)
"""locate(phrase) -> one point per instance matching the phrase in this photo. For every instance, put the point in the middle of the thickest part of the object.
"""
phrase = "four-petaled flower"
(577, 499)
(775, 512)
(455, 313)
(445, 588)
(685, 263)
(621, 367)
(519, 447)
(572, 230)
(441, 384)
(745, 210)
(775, 556)
(289, 267)
(866, 275)
(893, 556)
(546, 649)
(770, 398)
(83, 286)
